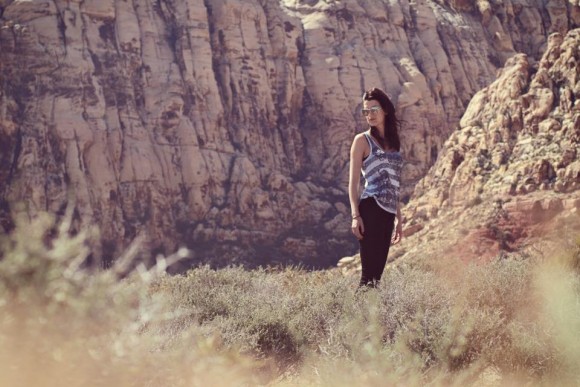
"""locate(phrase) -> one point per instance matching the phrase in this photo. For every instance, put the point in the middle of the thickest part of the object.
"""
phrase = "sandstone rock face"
(509, 177)
(519, 135)
(225, 125)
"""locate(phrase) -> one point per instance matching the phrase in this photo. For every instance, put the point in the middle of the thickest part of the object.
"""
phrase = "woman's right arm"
(356, 157)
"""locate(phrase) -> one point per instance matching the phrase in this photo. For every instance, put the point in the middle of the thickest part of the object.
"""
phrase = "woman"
(375, 152)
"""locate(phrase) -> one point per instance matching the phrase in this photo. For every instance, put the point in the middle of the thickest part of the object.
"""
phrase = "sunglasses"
(374, 110)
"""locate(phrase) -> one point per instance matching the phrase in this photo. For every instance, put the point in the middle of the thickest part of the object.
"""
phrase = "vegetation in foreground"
(509, 322)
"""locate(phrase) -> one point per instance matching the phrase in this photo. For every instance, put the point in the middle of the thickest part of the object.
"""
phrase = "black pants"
(376, 241)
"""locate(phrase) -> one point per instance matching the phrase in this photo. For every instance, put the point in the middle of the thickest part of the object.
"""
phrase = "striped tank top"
(382, 173)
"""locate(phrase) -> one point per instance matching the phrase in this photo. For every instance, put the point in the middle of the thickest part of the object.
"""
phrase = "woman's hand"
(398, 233)
(358, 229)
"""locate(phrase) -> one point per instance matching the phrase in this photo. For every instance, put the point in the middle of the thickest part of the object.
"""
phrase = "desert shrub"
(489, 298)
(501, 285)
(321, 303)
(74, 326)
(245, 308)
(285, 312)
(557, 287)
(417, 320)
(275, 339)
(527, 349)
(569, 259)
(62, 324)
(417, 308)
(41, 265)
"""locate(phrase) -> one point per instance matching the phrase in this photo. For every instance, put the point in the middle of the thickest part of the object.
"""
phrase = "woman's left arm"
(399, 226)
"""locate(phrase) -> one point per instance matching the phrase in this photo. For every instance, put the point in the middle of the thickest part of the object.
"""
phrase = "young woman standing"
(376, 152)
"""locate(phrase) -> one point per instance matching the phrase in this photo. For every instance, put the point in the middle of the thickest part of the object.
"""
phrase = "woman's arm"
(399, 226)
(356, 157)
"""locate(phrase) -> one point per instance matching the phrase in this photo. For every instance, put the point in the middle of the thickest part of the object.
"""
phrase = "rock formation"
(519, 135)
(509, 176)
(225, 125)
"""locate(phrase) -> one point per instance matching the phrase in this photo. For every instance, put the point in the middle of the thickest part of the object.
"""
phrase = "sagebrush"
(513, 320)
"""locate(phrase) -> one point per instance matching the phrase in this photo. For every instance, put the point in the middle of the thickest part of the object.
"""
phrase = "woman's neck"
(381, 130)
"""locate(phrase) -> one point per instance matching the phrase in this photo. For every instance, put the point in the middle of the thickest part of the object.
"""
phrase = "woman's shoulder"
(361, 142)
(361, 136)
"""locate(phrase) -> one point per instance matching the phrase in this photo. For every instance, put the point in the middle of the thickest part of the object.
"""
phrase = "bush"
(513, 320)
(63, 325)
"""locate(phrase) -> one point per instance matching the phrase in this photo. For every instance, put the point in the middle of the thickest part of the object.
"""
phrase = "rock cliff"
(509, 177)
(225, 125)
(519, 135)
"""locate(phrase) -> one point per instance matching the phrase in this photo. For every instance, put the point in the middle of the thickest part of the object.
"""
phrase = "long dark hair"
(392, 124)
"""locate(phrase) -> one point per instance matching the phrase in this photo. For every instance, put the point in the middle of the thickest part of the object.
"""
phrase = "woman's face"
(374, 113)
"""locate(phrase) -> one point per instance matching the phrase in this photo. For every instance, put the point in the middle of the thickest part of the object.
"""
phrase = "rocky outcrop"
(225, 125)
(519, 135)
(509, 177)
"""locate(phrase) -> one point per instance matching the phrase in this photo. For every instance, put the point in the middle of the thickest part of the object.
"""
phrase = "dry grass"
(509, 322)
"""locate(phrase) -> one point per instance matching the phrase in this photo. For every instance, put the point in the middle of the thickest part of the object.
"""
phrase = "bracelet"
(357, 216)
